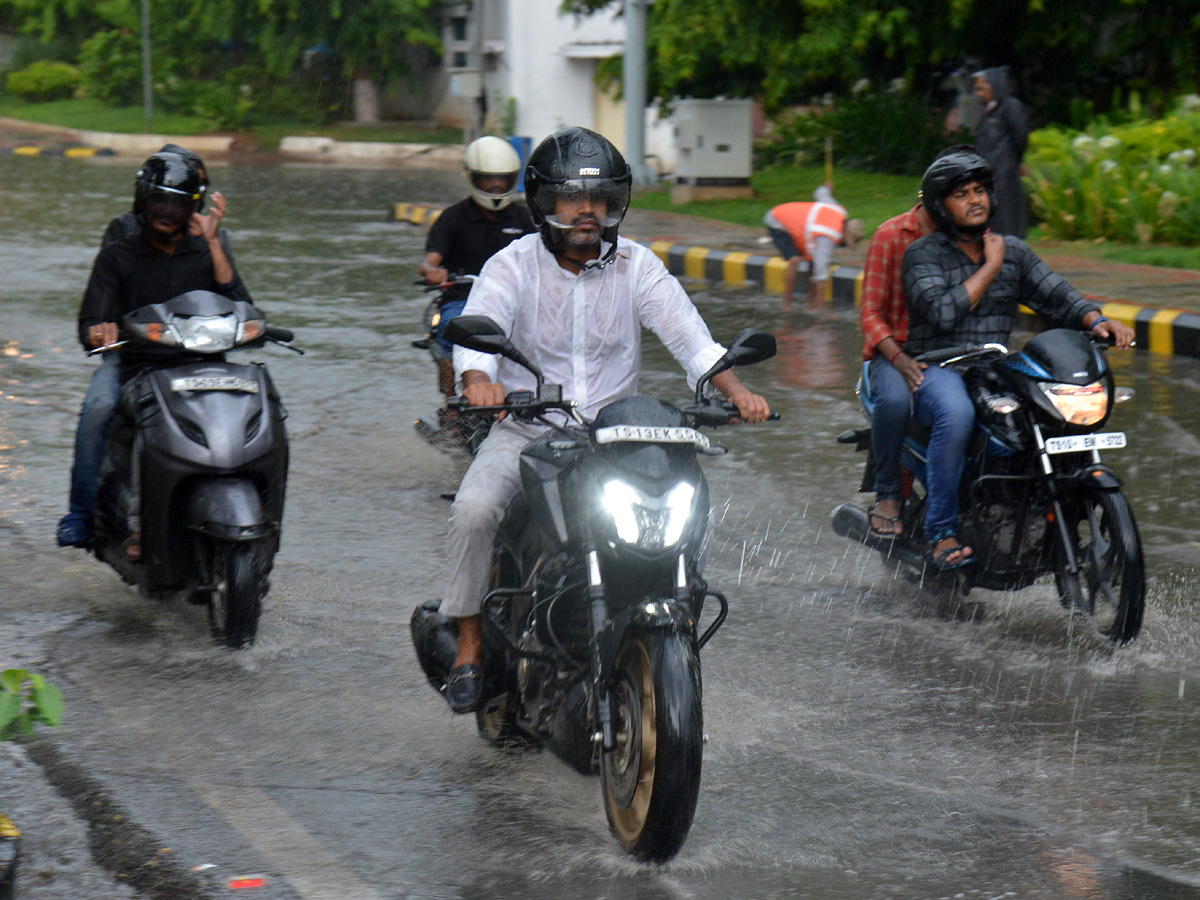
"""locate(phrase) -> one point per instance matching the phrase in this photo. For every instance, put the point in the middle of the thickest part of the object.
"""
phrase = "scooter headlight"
(650, 523)
(207, 334)
(1079, 404)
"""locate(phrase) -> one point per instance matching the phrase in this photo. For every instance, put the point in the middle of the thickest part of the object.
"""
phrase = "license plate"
(618, 433)
(1112, 440)
(214, 383)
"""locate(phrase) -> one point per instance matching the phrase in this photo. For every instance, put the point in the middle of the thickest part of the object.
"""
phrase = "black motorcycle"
(1035, 499)
(197, 460)
(592, 627)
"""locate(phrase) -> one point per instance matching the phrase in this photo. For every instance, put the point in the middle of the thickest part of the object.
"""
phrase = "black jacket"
(129, 273)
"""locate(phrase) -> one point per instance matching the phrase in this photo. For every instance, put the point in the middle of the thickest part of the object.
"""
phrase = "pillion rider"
(573, 298)
(467, 234)
(176, 250)
(964, 285)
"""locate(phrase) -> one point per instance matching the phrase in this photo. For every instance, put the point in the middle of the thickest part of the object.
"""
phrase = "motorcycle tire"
(236, 601)
(651, 779)
(1110, 585)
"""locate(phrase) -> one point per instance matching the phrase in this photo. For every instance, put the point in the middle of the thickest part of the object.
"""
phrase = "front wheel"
(1111, 582)
(651, 778)
(240, 583)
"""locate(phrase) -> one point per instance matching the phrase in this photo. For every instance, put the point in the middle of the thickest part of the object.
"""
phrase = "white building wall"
(552, 89)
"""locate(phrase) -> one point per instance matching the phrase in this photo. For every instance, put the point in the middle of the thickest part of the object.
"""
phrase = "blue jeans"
(91, 435)
(942, 403)
(448, 312)
(889, 421)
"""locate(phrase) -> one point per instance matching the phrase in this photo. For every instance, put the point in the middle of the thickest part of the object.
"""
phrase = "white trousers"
(490, 483)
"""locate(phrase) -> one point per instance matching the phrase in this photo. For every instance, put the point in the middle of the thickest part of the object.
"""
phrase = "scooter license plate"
(214, 383)
(1112, 440)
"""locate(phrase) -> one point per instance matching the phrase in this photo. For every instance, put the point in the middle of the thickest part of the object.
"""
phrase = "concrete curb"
(1168, 331)
(422, 156)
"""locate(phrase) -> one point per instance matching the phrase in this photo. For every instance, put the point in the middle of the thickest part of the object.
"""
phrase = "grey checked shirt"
(939, 309)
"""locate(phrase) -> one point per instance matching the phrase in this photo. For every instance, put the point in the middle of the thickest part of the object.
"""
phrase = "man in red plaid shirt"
(894, 375)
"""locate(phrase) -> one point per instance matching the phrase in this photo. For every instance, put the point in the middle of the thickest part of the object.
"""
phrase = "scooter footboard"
(229, 509)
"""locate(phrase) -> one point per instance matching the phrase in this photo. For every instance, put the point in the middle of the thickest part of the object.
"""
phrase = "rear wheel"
(651, 778)
(236, 600)
(1110, 585)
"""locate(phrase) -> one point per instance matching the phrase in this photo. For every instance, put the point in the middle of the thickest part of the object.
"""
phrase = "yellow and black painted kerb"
(1166, 331)
(70, 151)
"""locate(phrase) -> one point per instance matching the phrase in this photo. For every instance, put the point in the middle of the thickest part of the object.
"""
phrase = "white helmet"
(484, 160)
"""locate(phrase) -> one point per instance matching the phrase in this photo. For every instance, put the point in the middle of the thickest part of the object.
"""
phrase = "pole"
(147, 77)
(829, 160)
(634, 77)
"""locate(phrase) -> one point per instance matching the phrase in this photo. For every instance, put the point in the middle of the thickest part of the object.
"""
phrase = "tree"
(787, 51)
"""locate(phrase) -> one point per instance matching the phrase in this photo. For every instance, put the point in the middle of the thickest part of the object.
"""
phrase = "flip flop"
(883, 535)
(937, 559)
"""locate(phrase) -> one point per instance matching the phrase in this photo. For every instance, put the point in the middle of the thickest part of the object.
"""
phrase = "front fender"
(229, 509)
(645, 615)
(1096, 475)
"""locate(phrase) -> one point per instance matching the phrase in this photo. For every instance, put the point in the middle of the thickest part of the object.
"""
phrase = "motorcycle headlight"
(1079, 404)
(207, 334)
(651, 523)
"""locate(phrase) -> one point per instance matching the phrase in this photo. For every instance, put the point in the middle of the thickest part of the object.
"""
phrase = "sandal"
(890, 520)
(937, 559)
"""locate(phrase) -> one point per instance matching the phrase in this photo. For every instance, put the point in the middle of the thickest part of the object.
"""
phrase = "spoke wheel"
(236, 600)
(1110, 585)
(651, 777)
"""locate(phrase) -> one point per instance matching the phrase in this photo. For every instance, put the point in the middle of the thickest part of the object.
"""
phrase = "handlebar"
(712, 414)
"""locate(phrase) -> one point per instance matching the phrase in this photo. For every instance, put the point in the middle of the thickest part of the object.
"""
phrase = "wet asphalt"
(865, 741)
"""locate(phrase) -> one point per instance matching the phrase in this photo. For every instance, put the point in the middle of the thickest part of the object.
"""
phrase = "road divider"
(1160, 330)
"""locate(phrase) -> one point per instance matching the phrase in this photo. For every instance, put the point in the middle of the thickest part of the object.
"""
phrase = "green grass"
(1135, 254)
(872, 198)
(92, 115)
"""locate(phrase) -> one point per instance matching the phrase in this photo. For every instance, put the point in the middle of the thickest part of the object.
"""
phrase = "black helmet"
(573, 163)
(168, 172)
(955, 166)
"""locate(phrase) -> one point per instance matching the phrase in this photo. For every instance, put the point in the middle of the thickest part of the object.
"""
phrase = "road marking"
(314, 872)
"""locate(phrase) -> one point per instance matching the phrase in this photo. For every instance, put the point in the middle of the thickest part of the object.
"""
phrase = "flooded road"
(860, 744)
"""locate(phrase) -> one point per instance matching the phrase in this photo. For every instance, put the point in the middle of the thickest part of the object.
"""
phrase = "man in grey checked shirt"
(964, 286)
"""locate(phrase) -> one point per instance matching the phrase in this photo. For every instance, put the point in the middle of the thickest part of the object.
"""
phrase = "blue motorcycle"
(1035, 499)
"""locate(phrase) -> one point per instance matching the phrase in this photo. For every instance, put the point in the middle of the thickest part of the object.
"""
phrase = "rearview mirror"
(749, 347)
(481, 334)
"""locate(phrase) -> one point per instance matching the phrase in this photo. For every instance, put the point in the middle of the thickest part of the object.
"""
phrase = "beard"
(583, 240)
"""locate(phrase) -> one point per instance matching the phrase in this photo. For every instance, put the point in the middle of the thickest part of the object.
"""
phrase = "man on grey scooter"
(177, 250)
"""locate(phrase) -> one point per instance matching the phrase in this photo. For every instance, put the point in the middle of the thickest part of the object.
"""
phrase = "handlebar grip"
(283, 335)
(774, 416)
(457, 403)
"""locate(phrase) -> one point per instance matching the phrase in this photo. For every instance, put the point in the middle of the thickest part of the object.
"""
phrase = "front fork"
(1064, 536)
(600, 621)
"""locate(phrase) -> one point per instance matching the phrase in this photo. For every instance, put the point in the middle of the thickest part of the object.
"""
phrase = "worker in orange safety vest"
(811, 231)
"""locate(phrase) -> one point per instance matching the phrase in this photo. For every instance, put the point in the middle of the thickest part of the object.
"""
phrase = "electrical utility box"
(713, 141)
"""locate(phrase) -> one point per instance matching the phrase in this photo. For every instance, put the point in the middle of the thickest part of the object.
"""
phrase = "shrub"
(1136, 183)
(894, 133)
(43, 81)
(110, 63)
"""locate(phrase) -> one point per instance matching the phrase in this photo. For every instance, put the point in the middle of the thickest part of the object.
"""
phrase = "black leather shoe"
(462, 688)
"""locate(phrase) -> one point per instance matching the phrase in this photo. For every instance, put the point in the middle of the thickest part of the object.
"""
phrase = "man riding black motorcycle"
(573, 299)
(964, 285)
(177, 250)
(467, 234)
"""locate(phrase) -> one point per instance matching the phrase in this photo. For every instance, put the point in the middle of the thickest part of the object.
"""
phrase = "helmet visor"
(494, 182)
(565, 203)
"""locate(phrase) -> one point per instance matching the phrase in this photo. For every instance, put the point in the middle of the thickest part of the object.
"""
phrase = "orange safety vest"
(807, 221)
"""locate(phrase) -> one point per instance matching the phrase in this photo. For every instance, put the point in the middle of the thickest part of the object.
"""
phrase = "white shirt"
(584, 331)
